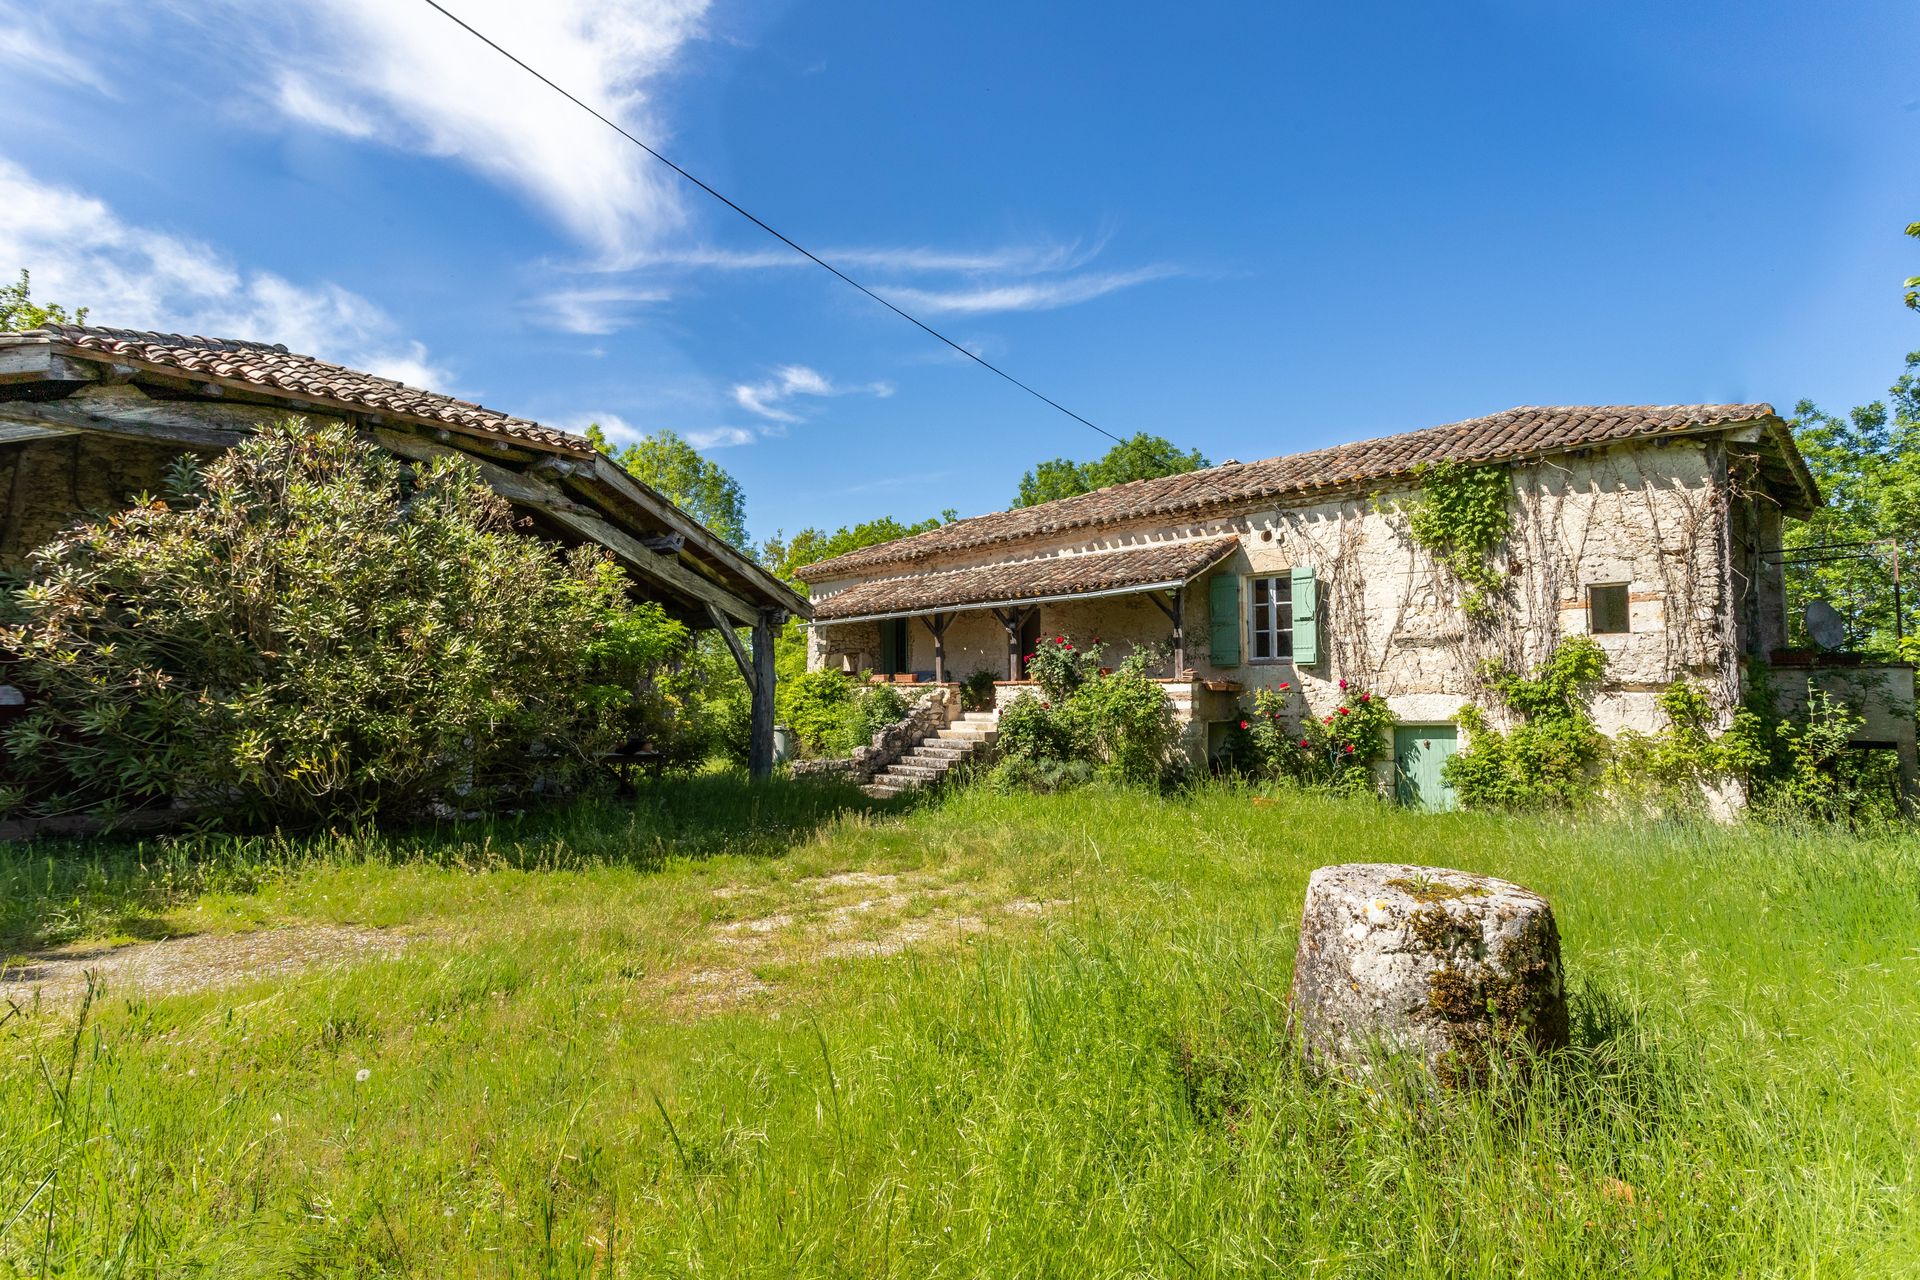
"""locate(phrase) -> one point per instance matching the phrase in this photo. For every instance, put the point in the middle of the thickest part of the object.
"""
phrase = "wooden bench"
(629, 759)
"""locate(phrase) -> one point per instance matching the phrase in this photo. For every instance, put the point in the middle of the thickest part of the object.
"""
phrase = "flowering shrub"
(1280, 737)
(1060, 668)
(1118, 726)
(308, 629)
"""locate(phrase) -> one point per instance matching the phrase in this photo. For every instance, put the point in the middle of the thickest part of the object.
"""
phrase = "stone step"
(968, 733)
(916, 769)
(938, 749)
(881, 790)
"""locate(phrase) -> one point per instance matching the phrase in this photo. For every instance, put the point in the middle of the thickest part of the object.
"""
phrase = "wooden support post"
(760, 752)
(1179, 634)
(937, 624)
(1013, 620)
(1174, 613)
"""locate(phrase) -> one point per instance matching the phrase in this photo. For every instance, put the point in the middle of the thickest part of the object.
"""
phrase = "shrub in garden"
(1812, 773)
(1118, 726)
(977, 691)
(1280, 737)
(1060, 667)
(306, 628)
(815, 705)
(871, 710)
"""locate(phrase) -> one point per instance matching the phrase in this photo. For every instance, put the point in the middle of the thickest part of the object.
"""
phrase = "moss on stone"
(1425, 890)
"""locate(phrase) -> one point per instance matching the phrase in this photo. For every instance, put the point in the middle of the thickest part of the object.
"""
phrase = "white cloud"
(595, 309)
(402, 74)
(1028, 295)
(620, 432)
(1037, 276)
(81, 253)
(30, 45)
(721, 437)
(790, 380)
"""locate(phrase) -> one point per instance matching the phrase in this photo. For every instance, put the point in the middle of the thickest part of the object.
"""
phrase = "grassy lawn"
(734, 1031)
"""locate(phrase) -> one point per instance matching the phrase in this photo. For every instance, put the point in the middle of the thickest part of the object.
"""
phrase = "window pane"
(1607, 609)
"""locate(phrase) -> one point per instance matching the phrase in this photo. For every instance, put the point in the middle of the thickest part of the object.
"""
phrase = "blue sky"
(1253, 229)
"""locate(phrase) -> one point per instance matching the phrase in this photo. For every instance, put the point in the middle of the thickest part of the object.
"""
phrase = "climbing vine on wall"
(1461, 516)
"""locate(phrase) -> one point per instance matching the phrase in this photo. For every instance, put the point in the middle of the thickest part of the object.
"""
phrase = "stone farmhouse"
(1653, 528)
(91, 416)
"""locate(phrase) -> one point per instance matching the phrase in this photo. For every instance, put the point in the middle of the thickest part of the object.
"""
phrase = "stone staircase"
(926, 764)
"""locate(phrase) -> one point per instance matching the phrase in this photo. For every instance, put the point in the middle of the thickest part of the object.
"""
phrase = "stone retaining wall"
(937, 707)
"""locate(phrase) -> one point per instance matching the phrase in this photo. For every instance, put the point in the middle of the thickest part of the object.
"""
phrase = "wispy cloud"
(30, 45)
(1035, 276)
(595, 309)
(404, 76)
(82, 253)
(621, 432)
(1027, 295)
(721, 437)
(769, 398)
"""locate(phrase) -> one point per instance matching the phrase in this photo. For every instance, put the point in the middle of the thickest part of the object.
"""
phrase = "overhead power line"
(798, 248)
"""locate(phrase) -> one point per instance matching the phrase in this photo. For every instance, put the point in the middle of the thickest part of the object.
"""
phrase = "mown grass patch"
(1090, 1076)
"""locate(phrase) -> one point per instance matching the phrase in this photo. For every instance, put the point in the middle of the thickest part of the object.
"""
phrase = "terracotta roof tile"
(274, 368)
(1037, 579)
(1523, 432)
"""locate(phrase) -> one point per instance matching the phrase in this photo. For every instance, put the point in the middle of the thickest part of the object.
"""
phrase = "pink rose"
(1243, 724)
(1344, 711)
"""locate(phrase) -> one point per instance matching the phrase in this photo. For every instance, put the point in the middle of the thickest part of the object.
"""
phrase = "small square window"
(1607, 609)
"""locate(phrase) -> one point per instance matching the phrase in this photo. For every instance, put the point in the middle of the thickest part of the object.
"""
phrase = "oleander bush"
(308, 629)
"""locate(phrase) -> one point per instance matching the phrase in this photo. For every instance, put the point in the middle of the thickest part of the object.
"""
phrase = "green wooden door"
(1419, 751)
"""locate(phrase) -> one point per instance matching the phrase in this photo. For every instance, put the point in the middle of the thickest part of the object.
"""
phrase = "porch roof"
(1154, 567)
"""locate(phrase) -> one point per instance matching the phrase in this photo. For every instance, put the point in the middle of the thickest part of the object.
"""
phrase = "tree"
(1138, 457)
(19, 312)
(1913, 282)
(1868, 468)
(785, 556)
(699, 486)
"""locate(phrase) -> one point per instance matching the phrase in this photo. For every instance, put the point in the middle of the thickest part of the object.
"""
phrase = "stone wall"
(47, 486)
(1651, 515)
(936, 707)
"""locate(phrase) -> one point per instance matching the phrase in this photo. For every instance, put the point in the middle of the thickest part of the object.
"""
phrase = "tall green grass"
(1107, 1089)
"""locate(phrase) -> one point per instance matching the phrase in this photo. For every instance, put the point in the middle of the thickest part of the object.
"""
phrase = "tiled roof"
(273, 368)
(1045, 578)
(1516, 433)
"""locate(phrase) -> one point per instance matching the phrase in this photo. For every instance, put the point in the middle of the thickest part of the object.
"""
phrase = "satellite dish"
(1825, 625)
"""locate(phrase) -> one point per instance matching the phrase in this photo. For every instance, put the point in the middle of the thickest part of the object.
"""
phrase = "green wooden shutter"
(1223, 615)
(889, 647)
(1306, 617)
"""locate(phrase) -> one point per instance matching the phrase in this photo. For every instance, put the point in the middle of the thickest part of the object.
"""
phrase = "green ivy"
(1546, 760)
(1461, 516)
(1666, 772)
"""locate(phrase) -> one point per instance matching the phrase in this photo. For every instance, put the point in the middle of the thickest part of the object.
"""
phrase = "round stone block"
(1454, 967)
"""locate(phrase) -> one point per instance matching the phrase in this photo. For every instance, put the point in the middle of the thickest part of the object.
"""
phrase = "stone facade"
(1680, 523)
(49, 485)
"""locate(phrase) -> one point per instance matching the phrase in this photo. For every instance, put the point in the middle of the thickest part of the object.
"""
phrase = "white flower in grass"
(361, 1076)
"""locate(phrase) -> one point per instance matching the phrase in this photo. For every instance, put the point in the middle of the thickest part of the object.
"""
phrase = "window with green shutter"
(1306, 617)
(1223, 617)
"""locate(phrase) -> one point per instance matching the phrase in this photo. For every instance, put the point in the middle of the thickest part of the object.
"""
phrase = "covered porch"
(945, 626)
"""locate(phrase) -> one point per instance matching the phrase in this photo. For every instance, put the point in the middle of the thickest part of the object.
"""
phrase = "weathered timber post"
(1175, 613)
(1459, 971)
(937, 624)
(760, 752)
(1013, 620)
